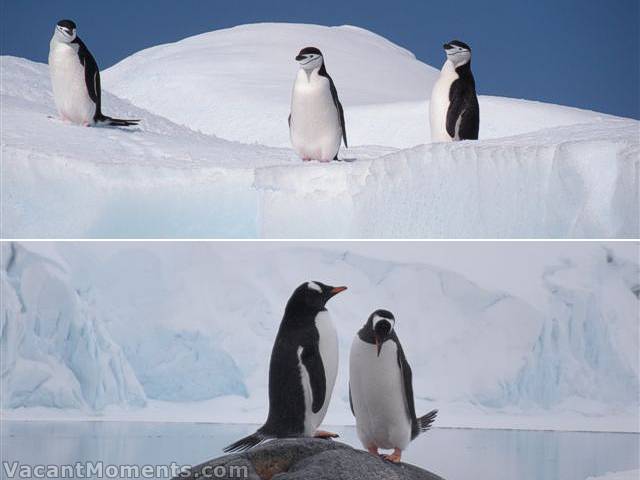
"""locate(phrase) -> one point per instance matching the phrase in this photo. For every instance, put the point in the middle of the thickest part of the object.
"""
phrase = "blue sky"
(583, 53)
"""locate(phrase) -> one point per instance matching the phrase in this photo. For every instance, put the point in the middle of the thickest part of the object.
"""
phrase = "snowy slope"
(236, 83)
(196, 323)
(167, 180)
(158, 180)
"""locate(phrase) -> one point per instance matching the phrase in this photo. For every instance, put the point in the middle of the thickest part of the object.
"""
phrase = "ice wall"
(577, 181)
(55, 350)
(196, 322)
(63, 348)
(588, 346)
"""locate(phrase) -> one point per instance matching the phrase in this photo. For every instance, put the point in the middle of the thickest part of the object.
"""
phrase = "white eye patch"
(314, 286)
(377, 318)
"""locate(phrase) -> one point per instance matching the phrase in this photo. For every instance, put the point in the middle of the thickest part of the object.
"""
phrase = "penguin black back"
(377, 334)
(297, 341)
(463, 115)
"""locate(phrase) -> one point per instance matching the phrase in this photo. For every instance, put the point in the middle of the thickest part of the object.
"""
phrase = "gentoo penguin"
(380, 389)
(454, 113)
(76, 79)
(303, 368)
(316, 122)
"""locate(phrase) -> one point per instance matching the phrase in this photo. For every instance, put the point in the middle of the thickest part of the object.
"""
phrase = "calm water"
(452, 453)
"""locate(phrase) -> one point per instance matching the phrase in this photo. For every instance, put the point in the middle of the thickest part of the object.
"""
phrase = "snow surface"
(626, 475)
(192, 326)
(541, 170)
(243, 77)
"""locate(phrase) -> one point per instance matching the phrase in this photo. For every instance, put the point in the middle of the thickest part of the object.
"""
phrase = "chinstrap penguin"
(316, 122)
(454, 113)
(302, 370)
(381, 391)
(75, 79)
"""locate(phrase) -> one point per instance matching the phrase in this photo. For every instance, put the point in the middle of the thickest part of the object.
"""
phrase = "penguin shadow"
(348, 160)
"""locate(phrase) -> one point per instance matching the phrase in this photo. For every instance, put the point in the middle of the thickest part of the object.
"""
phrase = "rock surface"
(306, 459)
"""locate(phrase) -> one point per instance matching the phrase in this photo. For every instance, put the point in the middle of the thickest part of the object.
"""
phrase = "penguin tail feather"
(246, 443)
(117, 122)
(425, 422)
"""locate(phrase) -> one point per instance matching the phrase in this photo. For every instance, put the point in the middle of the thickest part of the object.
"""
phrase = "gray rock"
(306, 459)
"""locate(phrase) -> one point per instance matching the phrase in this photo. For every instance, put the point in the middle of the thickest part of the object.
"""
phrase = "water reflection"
(451, 453)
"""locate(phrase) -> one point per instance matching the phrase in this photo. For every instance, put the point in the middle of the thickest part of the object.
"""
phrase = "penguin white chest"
(377, 394)
(439, 103)
(69, 88)
(315, 128)
(328, 347)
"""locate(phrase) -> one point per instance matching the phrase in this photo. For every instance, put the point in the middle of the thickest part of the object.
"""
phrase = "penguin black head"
(310, 58)
(457, 52)
(382, 323)
(312, 296)
(66, 31)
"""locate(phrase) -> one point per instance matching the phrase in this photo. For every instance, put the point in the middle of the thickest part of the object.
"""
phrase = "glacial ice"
(55, 350)
(588, 346)
(60, 350)
(194, 324)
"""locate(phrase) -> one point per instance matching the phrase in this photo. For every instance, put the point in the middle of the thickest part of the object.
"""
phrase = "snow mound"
(163, 180)
(61, 180)
(158, 180)
(236, 83)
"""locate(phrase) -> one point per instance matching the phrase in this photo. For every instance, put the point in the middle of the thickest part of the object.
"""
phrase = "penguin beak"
(336, 290)
(300, 57)
(378, 345)
(447, 46)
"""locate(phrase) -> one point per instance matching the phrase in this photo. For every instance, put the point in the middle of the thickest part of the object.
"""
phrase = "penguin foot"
(373, 450)
(394, 457)
(324, 434)
(306, 159)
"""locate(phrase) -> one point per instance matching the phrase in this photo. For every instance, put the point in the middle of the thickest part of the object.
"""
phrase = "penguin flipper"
(91, 73)
(463, 113)
(456, 108)
(336, 101)
(351, 401)
(407, 384)
(312, 361)
(470, 121)
(245, 443)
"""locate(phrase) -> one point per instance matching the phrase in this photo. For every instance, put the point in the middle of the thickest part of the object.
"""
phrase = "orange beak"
(337, 290)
